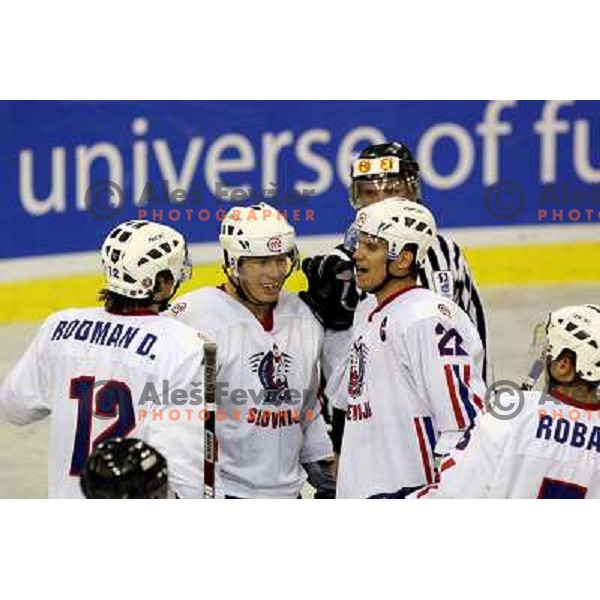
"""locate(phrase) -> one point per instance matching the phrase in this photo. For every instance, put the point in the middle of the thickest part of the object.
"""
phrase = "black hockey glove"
(332, 295)
(321, 478)
(338, 423)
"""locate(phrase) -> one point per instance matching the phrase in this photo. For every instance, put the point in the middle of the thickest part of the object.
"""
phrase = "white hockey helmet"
(258, 230)
(577, 328)
(399, 222)
(135, 252)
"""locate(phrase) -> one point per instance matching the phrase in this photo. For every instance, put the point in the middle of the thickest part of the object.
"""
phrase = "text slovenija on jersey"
(411, 383)
(267, 379)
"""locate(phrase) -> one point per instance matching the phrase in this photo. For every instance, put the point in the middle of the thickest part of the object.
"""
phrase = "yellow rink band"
(32, 300)
(576, 262)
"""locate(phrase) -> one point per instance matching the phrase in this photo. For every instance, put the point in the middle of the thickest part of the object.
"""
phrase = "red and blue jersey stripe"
(426, 440)
(462, 397)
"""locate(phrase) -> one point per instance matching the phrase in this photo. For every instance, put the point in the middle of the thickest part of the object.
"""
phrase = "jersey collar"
(575, 403)
(389, 299)
(140, 312)
(267, 323)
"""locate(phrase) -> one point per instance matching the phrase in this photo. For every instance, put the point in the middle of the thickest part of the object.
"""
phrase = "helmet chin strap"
(237, 285)
(243, 294)
(388, 277)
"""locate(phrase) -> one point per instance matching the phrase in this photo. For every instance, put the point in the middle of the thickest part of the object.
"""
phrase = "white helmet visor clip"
(351, 238)
(186, 266)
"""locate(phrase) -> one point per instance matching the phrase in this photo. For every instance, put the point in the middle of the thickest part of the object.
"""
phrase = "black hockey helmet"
(382, 171)
(125, 468)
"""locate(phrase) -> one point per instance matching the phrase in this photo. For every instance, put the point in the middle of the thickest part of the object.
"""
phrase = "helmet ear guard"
(294, 255)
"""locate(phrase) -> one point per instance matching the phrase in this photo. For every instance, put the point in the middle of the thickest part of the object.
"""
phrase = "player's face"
(562, 370)
(371, 261)
(263, 277)
(370, 192)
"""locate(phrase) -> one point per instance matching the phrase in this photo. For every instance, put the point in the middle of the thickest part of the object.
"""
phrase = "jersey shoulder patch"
(443, 283)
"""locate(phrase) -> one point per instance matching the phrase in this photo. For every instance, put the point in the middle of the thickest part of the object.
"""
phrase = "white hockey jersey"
(445, 272)
(94, 373)
(267, 380)
(411, 384)
(551, 449)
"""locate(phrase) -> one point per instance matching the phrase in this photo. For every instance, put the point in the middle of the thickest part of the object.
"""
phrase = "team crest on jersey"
(178, 308)
(272, 368)
(445, 310)
(358, 361)
(443, 283)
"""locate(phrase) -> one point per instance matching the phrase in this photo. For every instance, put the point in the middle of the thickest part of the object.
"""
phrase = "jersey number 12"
(108, 401)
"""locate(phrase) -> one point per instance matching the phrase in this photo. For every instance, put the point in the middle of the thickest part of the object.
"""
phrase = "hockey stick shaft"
(210, 438)
(537, 352)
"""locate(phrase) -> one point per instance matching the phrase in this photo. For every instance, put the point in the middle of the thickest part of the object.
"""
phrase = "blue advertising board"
(482, 163)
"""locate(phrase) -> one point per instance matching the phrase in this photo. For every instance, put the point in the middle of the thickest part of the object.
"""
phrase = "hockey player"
(551, 449)
(268, 347)
(90, 368)
(125, 469)
(413, 382)
(383, 171)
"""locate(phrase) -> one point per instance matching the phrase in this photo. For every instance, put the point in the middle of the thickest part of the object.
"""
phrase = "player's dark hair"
(121, 305)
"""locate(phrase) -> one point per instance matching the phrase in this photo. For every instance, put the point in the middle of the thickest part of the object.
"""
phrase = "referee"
(384, 171)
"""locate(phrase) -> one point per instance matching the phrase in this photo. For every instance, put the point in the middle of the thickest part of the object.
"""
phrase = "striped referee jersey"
(447, 273)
